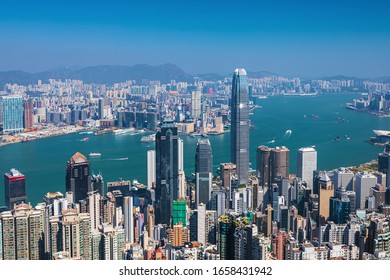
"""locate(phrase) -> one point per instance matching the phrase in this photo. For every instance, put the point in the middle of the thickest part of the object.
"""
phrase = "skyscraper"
(364, 182)
(196, 104)
(77, 177)
(129, 218)
(181, 154)
(263, 166)
(280, 162)
(12, 113)
(14, 188)
(28, 113)
(203, 172)
(151, 168)
(239, 144)
(167, 170)
(306, 164)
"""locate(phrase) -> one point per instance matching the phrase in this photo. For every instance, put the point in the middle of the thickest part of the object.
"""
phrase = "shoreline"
(39, 134)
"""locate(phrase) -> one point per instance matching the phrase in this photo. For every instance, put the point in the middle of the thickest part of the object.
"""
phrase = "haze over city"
(307, 39)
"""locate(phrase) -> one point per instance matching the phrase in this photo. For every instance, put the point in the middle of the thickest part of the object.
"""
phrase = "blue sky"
(304, 38)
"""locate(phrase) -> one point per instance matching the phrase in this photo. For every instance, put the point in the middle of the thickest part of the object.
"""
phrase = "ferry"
(95, 154)
(124, 131)
(148, 139)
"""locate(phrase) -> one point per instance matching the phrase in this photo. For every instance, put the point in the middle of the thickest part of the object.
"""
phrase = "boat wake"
(287, 135)
(115, 159)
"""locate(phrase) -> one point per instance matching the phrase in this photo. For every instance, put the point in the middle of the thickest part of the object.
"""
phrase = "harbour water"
(291, 121)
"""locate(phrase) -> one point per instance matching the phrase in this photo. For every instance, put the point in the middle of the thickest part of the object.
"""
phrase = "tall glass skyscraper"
(239, 130)
(203, 172)
(12, 113)
(167, 170)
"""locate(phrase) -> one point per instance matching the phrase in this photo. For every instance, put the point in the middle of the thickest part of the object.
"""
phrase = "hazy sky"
(306, 38)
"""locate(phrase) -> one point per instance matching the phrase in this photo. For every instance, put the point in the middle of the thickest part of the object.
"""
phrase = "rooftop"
(240, 71)
(78, 158)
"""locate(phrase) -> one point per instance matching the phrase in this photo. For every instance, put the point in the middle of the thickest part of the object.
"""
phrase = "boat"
(347, 137)
(86, 132)
(124, 131)
(149, 138)
(95, 154)
(337, 138)
(315, 116)
(204, 135)
(195, 135)
(85, 139)
(102, 131)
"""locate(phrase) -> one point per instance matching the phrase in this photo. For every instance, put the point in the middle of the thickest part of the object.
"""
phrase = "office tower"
(167, 170)
(284, 222)
(193, 225)
(269, 211)
(196, 104)
(364, 182)
(218, 201)
(121, 185)
(12, 113)
(101, 108)
(283, 188)
(151, 168)
(343, 177)
(263, 168)
(239, 141)
(226, 237)
(227, 170)
(243, 241)
(76, 233)
(182, 185)
(77, 177)
(203, 172)
(384, 163)
(326, 191)
(280, 162)
(306, 164)
(339, 209)
(379, 194)
(14, 188)
(210, 226)
(179, 212)
(98, 184)
(94, 199)
(28, 121)
(181, 154)
(129, 219)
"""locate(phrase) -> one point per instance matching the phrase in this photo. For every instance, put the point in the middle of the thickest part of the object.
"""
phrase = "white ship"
(95, 154)
(124, 131)
(149, 139)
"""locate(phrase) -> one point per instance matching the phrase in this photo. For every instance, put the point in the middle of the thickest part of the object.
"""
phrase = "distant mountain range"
(109, 74)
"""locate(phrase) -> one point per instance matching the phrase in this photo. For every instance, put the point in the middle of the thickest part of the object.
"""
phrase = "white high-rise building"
(343, 178)
(151, 161)
(306, 164)
(181, 154)
(202, 223)
(129, 219)
(94, 210)
(364, 182)
(196, 104)
(182, 184)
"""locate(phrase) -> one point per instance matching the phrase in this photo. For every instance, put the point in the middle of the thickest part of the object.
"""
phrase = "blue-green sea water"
(123, 156)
